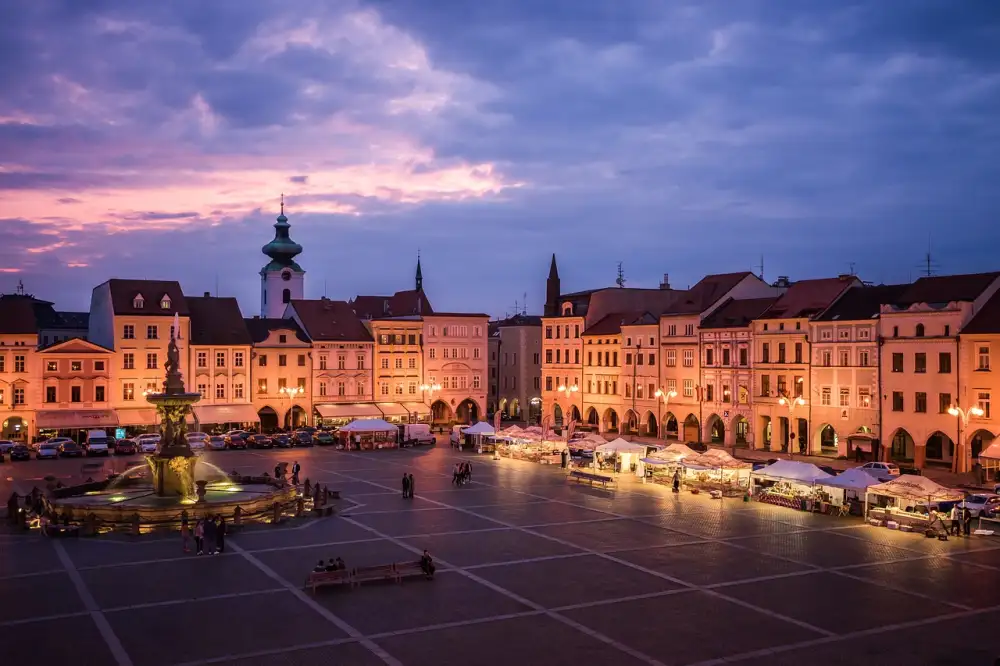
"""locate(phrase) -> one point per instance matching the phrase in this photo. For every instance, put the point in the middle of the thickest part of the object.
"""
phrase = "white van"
(417, 434)
(97, 443)
(458, 434)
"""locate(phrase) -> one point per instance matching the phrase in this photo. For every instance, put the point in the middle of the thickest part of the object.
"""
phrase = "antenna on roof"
(760, 268)
(620, 281)
(928, 266)
(851, 265)
(20, 288)
(524, 304)
(216, 285)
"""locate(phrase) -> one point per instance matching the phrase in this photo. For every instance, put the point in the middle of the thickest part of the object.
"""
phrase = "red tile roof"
(713, 287)
(737, 314)
(807, 298)
(860, 303)
(402, 303)
(947, 288)
(327, 320)
(217, 321)
(123, 293)
(987, 320)
(612, 323)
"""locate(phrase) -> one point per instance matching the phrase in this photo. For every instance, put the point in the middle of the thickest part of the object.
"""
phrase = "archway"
(515, 409)
(503, 407)
(268, 419)
(716, 429)
(468, 411)
(979, 441)
(610, 420)
(741, 431)
(441, 412)
(630, 425)
(15, 429)
(652, 427)
(574, 413)
(592, 418)
(827, 440)
(535, 411)
(670, 426)
(902, 448)
(940, 447)
(691, 428)
(295, 417)
(764, 432)
(557, 416)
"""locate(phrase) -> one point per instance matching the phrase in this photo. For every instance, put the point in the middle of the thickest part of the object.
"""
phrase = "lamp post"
(791, 403)
(958, 460)
(290, 392)
(429, 388)
(665, 396)
(569, 391)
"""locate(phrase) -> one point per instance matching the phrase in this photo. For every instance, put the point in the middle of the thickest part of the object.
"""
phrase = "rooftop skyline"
(154, 140)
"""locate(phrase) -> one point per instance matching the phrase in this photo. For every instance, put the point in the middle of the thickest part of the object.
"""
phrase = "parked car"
(235, 442)
(281, 440)
(242, 434)
(20, 452)
(196, 440)
(97, 443)
(216, 443)
(302, 438)
(126, 447)
(71, 449)
(258, 441)
(323, 438)
(883, 468)
(148, 442)
(47, 450)
(58, 441)
(982, 504)
(5, 446)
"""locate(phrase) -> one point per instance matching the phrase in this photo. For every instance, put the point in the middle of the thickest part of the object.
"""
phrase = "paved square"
(531, 570)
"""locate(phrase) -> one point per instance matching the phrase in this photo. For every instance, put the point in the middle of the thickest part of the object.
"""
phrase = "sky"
(154, 140)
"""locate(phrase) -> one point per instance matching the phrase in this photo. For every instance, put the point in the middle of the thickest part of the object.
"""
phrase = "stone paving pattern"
(532, 570)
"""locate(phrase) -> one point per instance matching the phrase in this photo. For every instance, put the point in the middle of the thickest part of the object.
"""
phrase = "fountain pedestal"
(173, 464)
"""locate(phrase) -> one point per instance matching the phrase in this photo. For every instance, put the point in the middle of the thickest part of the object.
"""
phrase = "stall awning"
(393, 409)
(417, 408)
(243, 413)
(349, 411)
(369, 425)
(137, 417)
(65, 418)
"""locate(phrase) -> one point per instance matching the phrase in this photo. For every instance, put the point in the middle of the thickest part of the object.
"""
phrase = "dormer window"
(165, 302)
(567, 309)
(138, 302)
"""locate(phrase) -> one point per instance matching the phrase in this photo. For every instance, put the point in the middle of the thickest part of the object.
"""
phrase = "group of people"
(335, 564)
(462, 473)
(209, 535)
(961, 521)
(407, 486)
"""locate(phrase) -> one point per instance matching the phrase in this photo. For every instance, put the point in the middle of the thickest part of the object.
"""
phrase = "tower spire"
(552, 290)
(420, 275)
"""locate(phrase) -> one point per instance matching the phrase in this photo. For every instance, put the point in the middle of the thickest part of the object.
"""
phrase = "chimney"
(782, 281)
(207, 294)
(666, 281)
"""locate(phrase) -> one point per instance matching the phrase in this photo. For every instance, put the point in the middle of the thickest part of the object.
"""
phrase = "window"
(725, 356)
(322, 388)
(548, 332)
(744, 356)
(302, 360)
(18, 395)
(477, 381)
(475, 354)
(165, 303)
(411, 363)
(864, 334)
(826, 358)
(558, 356)
(51, 366)
(301, 383)
(151, 361)
(944, 403)
(432, 354)
(689, 329)
(864, 358)
(845, 397)
(282, 339)
(220, 391)
(672, 330)
(615, 358)
(671, 358)
(128, 332)
(845, 358)
(548, 383)
(98, 366)
(825, 396)
(800, 385)
(826, 334)
(411, 388)
(261, 386)
(765, 385)
(361, 388)
(128, 361)
(895, 331)
(709, 356)
(798, 349)
(446, 353)
(947, 330)
(128, 391)
(2, 364)
(920, 362)
(537, 382)
(688, 388)
(864, 397)
(897, 401)
(399, 363)
(237, 391)
(782, 385)
(361, 360)
(984, 358)
(983, 402)
(548, 355)
(412, 338)
(781, 352)
(920, 402)
(628, 390)
(202, 359)
(709, 393)
(671, 385)
(18, 363)
(50, 394)
(398, 389)
(282, 383)
(765, 353)
(202, 389)
(688, 358)
(535, 358)
(282, 360)
(138, 302)
(897, 362)
(919, 332)
(152, 332)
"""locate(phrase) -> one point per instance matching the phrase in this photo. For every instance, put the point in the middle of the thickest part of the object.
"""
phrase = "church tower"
(420, 275)
(282, 280)
(552, 290)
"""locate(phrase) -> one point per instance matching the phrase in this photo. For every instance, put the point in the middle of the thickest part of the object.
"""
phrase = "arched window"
(920, 330)
(286, 295)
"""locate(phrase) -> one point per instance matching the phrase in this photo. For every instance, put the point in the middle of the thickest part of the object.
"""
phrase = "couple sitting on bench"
(333, 565)
(427, 564)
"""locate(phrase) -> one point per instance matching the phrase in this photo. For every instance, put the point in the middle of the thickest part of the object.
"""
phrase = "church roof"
(282, 250)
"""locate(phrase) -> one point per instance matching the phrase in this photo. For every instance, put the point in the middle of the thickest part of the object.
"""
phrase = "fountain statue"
(173, 464)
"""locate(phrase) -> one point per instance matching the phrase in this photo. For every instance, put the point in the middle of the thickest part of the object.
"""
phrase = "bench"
(579, 476)
(410, 570)
(367, 574)
(322, 578)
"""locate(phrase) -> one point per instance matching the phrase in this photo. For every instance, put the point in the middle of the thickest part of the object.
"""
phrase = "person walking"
(468, 472)
(406, 486)
(456, 474)
(199, 535)
(220, 535)
(677, 480)
(410, 485)
(210, 535)
(185, 535)
(296, 468)
(956, 519)
(967, 521)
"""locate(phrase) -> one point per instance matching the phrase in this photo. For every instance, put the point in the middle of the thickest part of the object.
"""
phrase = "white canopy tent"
(790, 471)
(916, 489)
(481, 428)
(855, 480)
(369, 425)
(714, 459)
(627, 453)
(670, 455)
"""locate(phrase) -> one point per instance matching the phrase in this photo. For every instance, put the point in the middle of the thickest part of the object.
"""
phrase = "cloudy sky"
(153, 139)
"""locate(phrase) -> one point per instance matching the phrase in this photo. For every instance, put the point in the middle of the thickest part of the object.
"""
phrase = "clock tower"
(282, 280)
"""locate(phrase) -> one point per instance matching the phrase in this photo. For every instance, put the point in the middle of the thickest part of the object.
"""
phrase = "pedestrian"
(199, 536)
(185, 535)
(210, 535)
(427, 564)
(967, 521)
(296, 468)
(956, 519)
(220, 534)
(456, 474)
(677, 480)
(320, 567)
(406, 486)
(410, 478)
(468, 472)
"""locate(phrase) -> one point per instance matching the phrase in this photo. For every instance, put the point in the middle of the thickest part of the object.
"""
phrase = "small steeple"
(420, 275)
(282, 250)
(552, 290)
(553, 271)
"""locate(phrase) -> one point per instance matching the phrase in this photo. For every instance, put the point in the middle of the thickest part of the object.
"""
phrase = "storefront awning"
(242, 413)
(65, 418)
(137, 417)
(393, 409)
(350, 411)
(417, 408)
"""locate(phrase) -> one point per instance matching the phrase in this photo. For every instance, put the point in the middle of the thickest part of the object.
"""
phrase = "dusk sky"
(153, 139)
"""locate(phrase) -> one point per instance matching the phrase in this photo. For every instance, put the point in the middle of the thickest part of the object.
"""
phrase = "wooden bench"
(367, 574)
(322, 578)
(579, 476)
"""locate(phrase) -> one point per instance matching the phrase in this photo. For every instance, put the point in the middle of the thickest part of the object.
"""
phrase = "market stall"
(790, 483)
(367, 434)
(909, 503)
(990, 460)
(584, 447)
(529, 444)
(479, 437)
(716, 470)
(619, 455)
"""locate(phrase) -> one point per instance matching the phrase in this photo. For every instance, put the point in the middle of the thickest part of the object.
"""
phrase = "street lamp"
(791, 403)
(963, 422)
(290, 392)
(665, 396)
(568, 390)
(424, 390)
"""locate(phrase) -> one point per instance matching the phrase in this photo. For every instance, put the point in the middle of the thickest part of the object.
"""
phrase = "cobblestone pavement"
(532, 570)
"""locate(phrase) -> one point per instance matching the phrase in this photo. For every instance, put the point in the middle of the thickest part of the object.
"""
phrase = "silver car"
(49, 449)
(6, 446)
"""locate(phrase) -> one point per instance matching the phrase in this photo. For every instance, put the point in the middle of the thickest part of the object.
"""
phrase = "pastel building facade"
(456, 366)
(280, 372)
(979, 355)
(518, 365)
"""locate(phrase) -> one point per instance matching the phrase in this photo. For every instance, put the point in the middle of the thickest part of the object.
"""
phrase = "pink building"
(979, 354)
